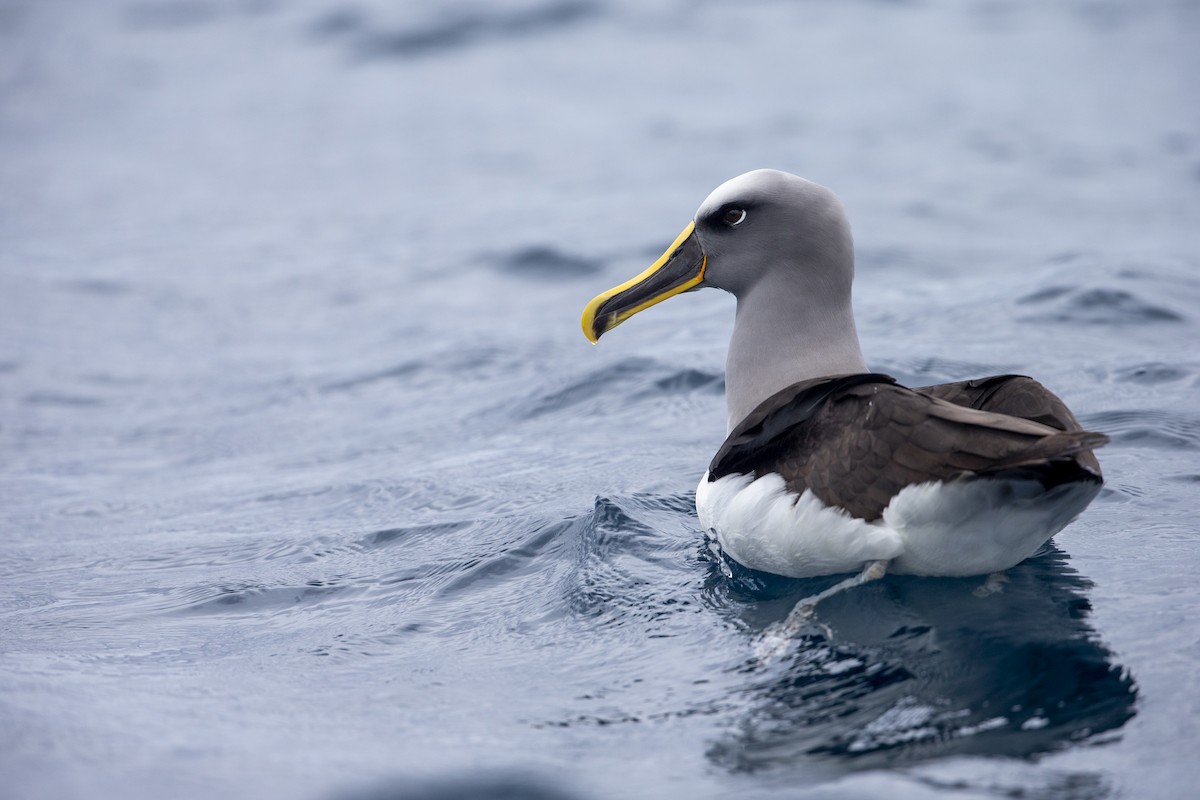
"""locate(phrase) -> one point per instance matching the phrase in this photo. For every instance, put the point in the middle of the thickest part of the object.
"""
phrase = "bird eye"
(734, 216)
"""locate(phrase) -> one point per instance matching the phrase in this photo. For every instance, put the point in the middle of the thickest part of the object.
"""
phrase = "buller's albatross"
(830, 468)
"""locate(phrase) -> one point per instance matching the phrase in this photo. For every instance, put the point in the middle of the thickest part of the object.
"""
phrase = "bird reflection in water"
(910, 669)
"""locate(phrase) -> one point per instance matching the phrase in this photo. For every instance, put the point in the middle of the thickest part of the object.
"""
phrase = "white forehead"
(758, 185)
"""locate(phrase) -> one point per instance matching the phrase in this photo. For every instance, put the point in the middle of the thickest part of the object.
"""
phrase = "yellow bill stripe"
(589, 312)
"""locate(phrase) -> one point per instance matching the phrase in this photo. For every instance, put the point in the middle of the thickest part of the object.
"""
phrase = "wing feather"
(857, 441)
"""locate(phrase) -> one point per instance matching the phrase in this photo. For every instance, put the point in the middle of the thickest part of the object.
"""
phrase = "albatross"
(828, 467)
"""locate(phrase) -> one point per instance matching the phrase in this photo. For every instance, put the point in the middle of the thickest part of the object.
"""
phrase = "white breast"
(965, 528)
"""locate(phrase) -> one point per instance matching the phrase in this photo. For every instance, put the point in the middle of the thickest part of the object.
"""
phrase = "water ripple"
(1152, 373)
(541, 262)
(627, 382)
(1147, 428)
(462, 28)
(254, 598)
(1096, 306)
(627, 568)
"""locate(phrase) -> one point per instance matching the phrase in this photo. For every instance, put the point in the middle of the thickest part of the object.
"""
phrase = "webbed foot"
(993, 585)
(775, 639)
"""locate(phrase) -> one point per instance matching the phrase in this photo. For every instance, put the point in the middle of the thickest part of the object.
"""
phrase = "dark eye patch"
(729, 215)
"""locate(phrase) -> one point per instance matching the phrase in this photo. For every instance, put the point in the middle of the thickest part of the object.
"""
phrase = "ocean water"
(311, 487)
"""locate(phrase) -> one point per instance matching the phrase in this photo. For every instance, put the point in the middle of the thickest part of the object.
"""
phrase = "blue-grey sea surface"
(311, 486)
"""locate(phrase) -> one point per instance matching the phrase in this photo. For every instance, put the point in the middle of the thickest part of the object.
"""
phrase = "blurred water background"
(311, 487)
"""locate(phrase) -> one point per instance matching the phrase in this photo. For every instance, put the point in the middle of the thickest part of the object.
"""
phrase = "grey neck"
(784, 333)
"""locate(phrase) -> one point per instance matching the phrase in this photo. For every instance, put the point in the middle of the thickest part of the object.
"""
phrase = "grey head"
(766, 221)
(782, 246)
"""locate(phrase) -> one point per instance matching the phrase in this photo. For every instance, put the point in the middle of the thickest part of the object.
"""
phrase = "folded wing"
(856, 441)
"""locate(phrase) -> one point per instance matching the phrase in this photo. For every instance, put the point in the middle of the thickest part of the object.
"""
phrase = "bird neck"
(786, 332)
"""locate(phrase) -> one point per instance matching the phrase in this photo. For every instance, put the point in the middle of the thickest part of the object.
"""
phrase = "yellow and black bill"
(680, 268)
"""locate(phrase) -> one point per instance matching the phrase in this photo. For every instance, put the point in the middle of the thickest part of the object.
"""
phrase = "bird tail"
(1055, 459)
(1058, 446)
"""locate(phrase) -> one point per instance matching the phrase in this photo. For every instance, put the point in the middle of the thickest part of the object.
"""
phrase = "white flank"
(981, 526)
(762, 525)
(951, 529)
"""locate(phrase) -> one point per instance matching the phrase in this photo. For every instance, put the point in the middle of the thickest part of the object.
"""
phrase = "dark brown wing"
(1017, 396)
(856, 441)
